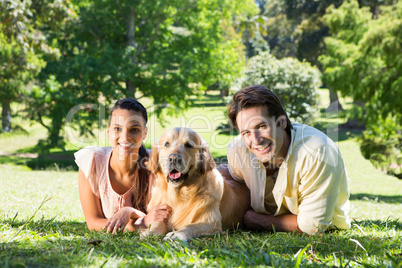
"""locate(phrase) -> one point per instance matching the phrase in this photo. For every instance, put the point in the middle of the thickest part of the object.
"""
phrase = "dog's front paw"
(156, 228)
(176, 236)
(145, 234)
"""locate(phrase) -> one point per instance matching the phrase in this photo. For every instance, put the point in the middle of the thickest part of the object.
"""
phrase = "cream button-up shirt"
(311, 183)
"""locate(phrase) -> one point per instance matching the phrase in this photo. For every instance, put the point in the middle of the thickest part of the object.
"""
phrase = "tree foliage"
(297, 29)
(364, 61)
(382, 144)
(294, 82)
(23, 45)
(167, 51)
(17, 69)
(363, 58)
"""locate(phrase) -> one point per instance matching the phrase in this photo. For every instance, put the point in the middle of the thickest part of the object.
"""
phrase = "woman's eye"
(117, 129)
(188, 145)
(167, 144)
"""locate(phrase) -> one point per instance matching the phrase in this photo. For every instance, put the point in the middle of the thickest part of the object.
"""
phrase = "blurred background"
(335, 65)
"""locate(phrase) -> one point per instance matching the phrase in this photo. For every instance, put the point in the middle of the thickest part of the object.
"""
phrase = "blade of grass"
(299, 255)
(31, 218)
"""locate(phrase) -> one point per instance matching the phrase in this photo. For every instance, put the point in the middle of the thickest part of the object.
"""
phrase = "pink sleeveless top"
(94, 162)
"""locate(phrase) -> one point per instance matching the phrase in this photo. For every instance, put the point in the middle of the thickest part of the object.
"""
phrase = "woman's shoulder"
(91, 151)
(85, 157)
(94, 150)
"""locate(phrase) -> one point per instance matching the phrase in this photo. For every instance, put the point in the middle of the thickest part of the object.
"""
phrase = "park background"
(335, 65)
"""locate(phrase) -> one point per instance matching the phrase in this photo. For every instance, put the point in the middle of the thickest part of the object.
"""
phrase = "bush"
(382, 144)
(294, 82)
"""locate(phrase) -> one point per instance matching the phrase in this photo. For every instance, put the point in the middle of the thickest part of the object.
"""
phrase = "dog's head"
(179, 154)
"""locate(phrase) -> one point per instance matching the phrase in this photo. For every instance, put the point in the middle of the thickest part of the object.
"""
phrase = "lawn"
(41, 222)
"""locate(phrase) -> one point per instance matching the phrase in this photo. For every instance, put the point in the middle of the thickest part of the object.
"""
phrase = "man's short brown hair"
(253, 96)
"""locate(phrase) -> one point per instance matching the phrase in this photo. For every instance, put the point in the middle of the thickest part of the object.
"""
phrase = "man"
(295, 173)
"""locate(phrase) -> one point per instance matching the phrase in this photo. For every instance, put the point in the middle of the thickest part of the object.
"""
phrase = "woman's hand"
(158, 213)
(120, 220)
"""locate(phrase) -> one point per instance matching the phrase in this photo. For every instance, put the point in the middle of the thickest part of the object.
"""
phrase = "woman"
(114, 184)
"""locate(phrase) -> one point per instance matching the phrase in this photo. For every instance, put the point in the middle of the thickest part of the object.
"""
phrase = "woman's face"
(126, 132)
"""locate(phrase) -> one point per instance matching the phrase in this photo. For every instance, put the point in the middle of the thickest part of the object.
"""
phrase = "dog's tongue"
(174, 175)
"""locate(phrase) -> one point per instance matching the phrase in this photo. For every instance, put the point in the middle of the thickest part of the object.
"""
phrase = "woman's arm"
(94, 217)
(126, 218)
(91, 205)
(131, 219)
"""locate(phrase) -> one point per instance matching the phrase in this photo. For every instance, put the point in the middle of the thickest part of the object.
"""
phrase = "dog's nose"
(175, 159)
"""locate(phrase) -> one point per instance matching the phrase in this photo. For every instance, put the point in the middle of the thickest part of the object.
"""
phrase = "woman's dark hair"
(253, 96)
(142, 178)
(129, 104)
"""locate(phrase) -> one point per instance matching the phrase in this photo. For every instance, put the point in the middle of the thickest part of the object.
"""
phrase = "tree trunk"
(334, 105)
(224, 94)
(374, 10)
(130, 85)
(354, 123)
(54, 133)
(6, 115)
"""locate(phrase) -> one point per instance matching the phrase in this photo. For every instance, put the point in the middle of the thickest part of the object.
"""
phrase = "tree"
(23, 45)
(252, 30)
(294, 82)
(17, 69)
(280, 30)
(163, 50)
(296, 29)
(363, 60)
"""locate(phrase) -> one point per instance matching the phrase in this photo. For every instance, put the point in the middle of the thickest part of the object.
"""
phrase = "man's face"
(263, 135)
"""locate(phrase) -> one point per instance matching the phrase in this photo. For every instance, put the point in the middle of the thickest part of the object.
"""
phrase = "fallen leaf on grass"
(94, 242)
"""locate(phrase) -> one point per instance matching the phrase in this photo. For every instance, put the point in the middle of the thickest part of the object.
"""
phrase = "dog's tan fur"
(203, 202)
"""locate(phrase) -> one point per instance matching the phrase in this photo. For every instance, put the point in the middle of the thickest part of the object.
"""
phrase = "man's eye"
(135, 130)
(188, 145)
(246, 133)
(167, 144)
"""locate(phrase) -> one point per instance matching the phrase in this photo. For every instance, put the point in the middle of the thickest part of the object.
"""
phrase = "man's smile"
(263, 149)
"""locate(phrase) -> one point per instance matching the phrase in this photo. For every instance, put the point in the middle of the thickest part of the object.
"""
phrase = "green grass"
(22, 137)
(41, 221)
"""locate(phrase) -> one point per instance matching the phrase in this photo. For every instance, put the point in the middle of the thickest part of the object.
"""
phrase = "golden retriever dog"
(202, 201)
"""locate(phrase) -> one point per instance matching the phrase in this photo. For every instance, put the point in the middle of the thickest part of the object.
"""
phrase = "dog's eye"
(167, 144)
(188, 145)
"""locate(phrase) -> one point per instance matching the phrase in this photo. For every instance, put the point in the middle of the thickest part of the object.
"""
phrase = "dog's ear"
(207, 162)
(153, 163)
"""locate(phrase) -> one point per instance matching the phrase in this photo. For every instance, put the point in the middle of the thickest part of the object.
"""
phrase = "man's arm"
(320, 186)
(258, 221)
(281, 223)
(224, 170)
